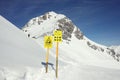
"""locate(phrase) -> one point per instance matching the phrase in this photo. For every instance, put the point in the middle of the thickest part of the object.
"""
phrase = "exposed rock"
(95, 47)
(67, 28)
(79, 35)
(44, 17)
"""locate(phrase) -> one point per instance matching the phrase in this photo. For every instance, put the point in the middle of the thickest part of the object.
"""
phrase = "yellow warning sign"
(58, 36)
(48, 41)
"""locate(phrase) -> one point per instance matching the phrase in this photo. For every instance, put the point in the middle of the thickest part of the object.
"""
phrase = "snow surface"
(16, 49)
(21, 58)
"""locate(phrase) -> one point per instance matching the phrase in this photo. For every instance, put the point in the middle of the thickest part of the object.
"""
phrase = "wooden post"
(57, 60)
(47, 57)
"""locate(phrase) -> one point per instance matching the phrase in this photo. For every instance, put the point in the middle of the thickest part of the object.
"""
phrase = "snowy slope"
(79, 58)
(18, 53)
(15, 48)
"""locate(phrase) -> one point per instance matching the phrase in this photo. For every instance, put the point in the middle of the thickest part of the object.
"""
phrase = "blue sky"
(99, 20)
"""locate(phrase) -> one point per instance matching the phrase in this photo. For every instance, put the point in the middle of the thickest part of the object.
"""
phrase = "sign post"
(57, 61)
(57, 39)
(47, 57)
(48, 40)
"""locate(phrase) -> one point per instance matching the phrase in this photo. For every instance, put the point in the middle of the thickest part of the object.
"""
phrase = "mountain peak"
(52, 13)
(50, 21)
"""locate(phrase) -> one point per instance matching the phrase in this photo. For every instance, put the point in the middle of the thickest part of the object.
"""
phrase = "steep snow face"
(16, 49)
(47, 23)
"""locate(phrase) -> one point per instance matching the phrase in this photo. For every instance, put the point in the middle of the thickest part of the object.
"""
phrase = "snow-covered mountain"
(22, 55)
(45, 25)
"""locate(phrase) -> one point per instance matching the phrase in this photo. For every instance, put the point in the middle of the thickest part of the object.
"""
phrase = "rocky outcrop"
(67, 27)
(108, 50)
(95, 47)
(79, 35)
